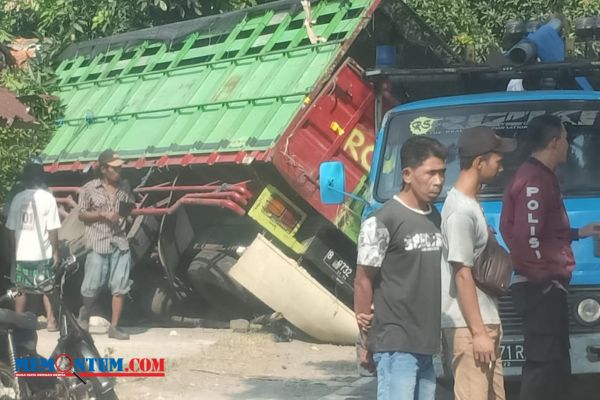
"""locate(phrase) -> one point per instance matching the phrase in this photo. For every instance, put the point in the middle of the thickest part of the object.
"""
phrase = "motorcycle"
(18, 339)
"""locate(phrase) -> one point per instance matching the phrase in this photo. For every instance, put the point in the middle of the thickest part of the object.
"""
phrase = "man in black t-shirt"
(399, 273)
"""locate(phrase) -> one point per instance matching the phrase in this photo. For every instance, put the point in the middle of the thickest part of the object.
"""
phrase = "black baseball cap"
(482, 140)
(109, 157)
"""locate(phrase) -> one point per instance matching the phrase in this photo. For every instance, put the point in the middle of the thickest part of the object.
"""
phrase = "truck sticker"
(508, 120)
(360, 147)
(422, 125)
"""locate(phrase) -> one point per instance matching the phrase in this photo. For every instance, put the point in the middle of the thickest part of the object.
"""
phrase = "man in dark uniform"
(536, 228)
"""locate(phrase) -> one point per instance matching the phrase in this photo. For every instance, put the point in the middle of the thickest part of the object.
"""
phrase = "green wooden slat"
(62, 66)
(168, 110)
(260, 26)
(332, 25)
(90, 68)
(133, 61)
(212, 63)
(283, 25)
(112, 64)
(301, 33)
(76, 63)
(156, 58)
(224, 47)
(184, 50)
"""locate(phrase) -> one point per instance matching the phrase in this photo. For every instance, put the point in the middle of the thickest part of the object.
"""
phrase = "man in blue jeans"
(109, 260)
(399, 277)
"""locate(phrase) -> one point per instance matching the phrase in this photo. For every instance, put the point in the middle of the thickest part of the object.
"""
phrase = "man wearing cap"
(471, 329)
(105, 231)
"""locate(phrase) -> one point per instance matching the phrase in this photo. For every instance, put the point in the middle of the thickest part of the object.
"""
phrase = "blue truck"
(508, 113)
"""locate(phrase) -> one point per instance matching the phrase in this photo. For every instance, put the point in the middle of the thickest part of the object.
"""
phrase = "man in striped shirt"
(103, 204)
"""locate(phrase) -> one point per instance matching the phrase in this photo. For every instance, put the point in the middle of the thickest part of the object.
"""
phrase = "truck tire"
(152, 294)
(162, 304)
(207, 274)
(143, 236)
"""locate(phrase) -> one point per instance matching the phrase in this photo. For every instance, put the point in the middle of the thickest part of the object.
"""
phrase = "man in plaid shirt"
(109, 260)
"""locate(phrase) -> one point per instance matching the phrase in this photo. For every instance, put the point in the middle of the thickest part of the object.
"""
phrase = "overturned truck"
(224, 121)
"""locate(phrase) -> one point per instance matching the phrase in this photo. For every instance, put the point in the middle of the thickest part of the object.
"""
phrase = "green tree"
(481, 22)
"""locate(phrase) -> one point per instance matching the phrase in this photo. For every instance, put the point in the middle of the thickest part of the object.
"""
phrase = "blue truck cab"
(509, 113)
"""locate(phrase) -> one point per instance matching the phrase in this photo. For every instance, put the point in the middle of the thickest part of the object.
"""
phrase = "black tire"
(162, 304)
(152, 296)
(207, 274)
(143, 236)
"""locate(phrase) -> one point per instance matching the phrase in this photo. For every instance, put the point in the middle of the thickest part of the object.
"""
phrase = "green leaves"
(481, 22)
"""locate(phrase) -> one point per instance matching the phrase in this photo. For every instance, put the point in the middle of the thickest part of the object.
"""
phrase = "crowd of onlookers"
(416, 287)
(32, 224)
(416, 292)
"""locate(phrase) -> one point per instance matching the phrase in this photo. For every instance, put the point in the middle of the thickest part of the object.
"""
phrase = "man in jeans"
(105, 231)
(33, 225)
(470, 320)
(399, 251)
(536, 228)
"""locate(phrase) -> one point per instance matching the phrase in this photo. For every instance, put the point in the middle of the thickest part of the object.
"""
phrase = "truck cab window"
(580, 175)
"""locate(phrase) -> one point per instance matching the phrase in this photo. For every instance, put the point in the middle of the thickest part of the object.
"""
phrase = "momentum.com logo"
(65, 365)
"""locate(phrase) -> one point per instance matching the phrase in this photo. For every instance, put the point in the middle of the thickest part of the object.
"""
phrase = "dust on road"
(223, 365)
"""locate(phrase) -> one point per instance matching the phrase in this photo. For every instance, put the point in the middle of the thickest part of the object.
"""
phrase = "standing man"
(536, 228)
(470, 319)
(105, 231)
(399, 251)
(33, 225)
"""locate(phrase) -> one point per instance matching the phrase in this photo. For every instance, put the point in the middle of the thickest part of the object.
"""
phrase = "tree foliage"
(75, 20)
(480, 23)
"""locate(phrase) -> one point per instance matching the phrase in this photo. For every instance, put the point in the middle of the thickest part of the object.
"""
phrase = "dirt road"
(222, 365)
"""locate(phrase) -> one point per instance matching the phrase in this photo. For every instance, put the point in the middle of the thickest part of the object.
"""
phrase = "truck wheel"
(143, 236)
(152, 296)
(162, 304)
(208, 276)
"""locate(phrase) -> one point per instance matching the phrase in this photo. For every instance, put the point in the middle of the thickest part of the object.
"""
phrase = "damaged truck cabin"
(224, 121)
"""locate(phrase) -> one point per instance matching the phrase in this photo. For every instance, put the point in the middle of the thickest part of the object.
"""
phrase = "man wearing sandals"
(33, 224)
(101, 205)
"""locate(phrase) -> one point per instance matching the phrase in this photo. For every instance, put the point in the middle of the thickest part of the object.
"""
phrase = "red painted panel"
(337, 125)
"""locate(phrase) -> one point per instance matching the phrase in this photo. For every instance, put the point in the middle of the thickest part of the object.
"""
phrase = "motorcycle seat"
(12, 319)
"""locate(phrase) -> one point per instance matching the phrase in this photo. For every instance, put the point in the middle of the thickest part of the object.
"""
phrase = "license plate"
(512, 355)
(336, 263)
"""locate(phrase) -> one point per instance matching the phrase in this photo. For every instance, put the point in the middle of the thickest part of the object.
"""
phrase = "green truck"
(224, 122)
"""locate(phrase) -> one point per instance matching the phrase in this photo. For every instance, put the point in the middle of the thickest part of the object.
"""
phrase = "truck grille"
(512, 324)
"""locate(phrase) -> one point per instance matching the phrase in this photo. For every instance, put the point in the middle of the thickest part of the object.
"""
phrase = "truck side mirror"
(332, 182)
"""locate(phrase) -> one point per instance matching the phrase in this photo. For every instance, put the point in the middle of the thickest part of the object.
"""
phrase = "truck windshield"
(579, 176)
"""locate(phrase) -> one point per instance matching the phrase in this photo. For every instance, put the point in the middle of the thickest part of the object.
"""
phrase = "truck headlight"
(588, 311)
